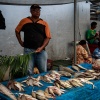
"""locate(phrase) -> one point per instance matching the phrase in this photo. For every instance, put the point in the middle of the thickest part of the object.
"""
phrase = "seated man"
(82, 54)
(91, 35)
(96, 52)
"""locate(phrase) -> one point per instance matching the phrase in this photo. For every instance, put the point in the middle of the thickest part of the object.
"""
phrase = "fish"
(19, 86)
(40, 95)
(86, 81)
(4, 90)
(30, 77)
(92, 78)
(97, 77)
(36, 79)
(50, 91)
(93, 72)
(54, 72)
(33, 81)
(15, 85)
(48, 95)
(88, 74)
(58, 85)
(83, 75)
(78, 74)
(51, 76)
(37, 83)
(90, 70)
(29, 82)
(56, 90)
(54, 75)
(64, 73)
(53, 90)
(80, 67)
(75, 68)
(33, 94)
(25, 97)
(11, 85)
(62, 68)
(75, 82)
(68, 85)
(46, 78)
(63, 84)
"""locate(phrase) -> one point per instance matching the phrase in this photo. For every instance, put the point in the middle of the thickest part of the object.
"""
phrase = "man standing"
(36, 38)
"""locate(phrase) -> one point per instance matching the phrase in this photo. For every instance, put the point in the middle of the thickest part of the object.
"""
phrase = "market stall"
(86, 92)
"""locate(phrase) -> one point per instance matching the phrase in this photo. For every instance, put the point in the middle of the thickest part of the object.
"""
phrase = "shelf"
(94, 12)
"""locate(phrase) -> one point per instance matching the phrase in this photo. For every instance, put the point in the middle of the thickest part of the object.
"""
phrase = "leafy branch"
(16, 63)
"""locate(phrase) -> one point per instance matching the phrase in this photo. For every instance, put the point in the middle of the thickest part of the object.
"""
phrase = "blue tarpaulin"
(85, 92)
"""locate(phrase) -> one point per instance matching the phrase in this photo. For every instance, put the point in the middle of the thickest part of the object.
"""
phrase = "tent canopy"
(41, 2)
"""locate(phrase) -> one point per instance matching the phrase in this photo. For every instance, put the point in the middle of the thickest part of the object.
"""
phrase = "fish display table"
(85, 92)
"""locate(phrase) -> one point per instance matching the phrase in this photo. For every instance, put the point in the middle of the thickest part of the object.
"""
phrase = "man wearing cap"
(36, 38)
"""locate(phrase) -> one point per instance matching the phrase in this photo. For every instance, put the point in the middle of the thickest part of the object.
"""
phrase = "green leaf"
(17, 64)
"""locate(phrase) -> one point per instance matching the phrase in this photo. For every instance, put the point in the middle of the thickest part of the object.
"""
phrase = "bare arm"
(19, 38)
(45, 43)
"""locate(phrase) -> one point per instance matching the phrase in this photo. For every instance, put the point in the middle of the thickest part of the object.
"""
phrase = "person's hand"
(97, 34)
(87, 61)
(39, 49)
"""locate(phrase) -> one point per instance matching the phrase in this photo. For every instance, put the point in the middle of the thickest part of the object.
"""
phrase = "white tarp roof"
(41, 2)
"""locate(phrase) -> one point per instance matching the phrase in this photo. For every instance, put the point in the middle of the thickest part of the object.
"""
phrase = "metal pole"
(75, 9)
